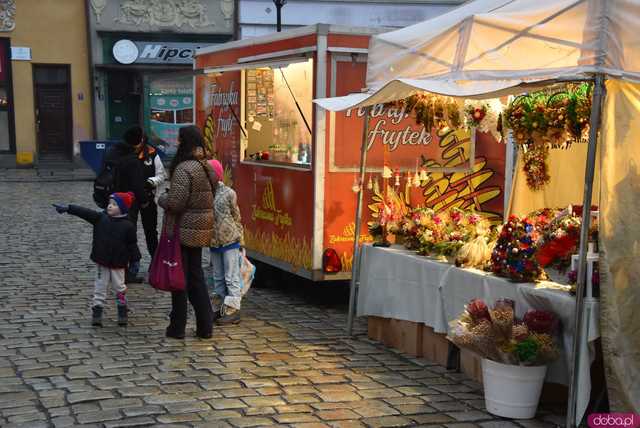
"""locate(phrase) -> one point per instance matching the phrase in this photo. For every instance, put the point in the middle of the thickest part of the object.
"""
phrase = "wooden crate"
(435, 346)
(405, 336)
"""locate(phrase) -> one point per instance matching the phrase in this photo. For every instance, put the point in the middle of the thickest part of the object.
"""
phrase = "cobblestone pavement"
(288, 363)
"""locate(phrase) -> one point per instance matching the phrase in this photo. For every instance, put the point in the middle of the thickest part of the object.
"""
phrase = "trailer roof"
(296, 32)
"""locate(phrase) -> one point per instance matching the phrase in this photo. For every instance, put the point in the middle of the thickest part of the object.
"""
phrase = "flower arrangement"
(497, 334)
(514, 253)
(444, 234)
(559, 240)
(474, 114)
(483, 116)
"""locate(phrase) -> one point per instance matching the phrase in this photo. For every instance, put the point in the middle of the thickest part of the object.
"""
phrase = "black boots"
(96, 317)
(123, 315)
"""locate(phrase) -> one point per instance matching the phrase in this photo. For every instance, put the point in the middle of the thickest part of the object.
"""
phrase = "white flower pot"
(512, 391)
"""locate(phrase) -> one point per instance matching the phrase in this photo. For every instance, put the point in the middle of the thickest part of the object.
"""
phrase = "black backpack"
(105, 183)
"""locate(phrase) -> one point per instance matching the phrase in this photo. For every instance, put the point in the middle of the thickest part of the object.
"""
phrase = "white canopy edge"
(403, 88)
(479, 89)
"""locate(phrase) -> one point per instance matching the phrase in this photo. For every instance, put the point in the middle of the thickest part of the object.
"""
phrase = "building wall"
(258, 17)
(55, 30)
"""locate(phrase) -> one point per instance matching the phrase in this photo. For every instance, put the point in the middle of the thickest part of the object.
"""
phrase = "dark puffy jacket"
(129, 173)
(115, 243)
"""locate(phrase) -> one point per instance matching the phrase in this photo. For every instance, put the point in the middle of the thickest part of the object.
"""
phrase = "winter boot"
(229, 315)
(96, 317)
(216, 305)
(123, 315)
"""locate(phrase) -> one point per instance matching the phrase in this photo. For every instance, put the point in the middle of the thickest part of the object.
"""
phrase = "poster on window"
(170, 107)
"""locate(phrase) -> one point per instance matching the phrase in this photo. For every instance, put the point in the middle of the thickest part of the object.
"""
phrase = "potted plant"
(515, 353)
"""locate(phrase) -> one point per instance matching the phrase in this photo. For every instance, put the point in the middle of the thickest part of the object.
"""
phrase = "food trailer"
(294, 166)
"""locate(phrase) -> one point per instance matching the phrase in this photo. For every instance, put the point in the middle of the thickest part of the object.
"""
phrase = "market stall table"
(399, 284)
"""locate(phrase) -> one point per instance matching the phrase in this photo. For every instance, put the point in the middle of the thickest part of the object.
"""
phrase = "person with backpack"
(154, 177)
(189, 202)
(114, 246)
(122, 172)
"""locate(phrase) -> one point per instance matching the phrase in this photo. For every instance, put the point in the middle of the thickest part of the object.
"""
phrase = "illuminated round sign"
(125, 51)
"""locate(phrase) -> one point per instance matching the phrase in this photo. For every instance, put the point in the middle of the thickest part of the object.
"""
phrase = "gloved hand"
(150, 184)
(61, 208)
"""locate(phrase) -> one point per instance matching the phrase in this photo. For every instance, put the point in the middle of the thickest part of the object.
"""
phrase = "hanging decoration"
(541, 121)
(535, 166)
(433, 111)
(484, 116)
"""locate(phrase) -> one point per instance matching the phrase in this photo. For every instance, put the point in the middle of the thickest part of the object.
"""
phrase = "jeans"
(196, 293)
(227, 283)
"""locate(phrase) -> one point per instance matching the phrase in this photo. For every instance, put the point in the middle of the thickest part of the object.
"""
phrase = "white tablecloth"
(399, 284)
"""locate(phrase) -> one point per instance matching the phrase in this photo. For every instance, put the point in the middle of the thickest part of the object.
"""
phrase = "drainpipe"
(91, 95)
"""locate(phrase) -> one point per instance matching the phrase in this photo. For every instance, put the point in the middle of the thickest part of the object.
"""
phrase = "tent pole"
(355, 269)
(594, 125)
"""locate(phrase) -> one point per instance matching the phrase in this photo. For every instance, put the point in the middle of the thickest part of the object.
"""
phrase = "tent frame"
(579, 321)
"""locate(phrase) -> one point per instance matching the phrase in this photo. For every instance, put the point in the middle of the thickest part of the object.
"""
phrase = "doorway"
(125, 96)
(54, 132)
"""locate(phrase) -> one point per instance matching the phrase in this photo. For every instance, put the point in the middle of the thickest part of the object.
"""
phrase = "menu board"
(260, 94)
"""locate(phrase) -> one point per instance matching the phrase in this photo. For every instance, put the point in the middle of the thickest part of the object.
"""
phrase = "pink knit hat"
(217, 167)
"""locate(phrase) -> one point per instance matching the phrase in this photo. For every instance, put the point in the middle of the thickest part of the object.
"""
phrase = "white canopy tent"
(494, 47)
(487, 46)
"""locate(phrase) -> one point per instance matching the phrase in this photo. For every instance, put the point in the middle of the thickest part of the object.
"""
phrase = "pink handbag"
(166, 273)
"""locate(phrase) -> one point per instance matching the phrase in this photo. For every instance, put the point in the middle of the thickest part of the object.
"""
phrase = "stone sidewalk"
(288, 363)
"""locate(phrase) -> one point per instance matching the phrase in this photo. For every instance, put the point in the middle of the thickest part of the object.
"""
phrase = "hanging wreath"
(543, 120)
(535, 166)
(550, 118)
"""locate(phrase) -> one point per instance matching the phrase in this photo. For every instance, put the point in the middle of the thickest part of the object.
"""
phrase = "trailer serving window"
(277, 113)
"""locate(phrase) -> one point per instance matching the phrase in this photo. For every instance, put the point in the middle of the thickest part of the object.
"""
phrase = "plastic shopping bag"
(247, 271)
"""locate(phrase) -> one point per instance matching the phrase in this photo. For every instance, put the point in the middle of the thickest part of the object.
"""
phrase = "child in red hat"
(114, 246)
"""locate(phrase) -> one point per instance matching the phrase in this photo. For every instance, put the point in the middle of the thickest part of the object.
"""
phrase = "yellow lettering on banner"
(268, 197)
(348, 235)
(268, 211)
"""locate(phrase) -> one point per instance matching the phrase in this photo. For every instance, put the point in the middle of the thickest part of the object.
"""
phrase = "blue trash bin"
(93, 151)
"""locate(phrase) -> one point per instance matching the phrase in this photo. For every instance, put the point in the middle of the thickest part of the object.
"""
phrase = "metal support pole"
(594, 125)
(279, 4)
(355, 268)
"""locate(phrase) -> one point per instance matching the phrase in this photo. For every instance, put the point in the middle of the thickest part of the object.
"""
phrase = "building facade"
(142, 61)
(45, 106)
(258, 17)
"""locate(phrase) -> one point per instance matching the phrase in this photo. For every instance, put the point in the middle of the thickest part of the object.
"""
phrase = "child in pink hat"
(225, 253)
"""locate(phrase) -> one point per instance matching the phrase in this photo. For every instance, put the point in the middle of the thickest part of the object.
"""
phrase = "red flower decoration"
(478, 310)
(539, 321)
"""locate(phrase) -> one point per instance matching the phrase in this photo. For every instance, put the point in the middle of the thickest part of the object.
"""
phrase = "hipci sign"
(130, 52)
(613, 420)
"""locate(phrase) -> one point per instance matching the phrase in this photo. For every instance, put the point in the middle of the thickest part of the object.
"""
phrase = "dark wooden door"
(53, 110)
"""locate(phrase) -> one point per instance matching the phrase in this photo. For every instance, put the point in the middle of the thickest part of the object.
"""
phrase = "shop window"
(164, 116)
(184, 116)
(277, 130)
